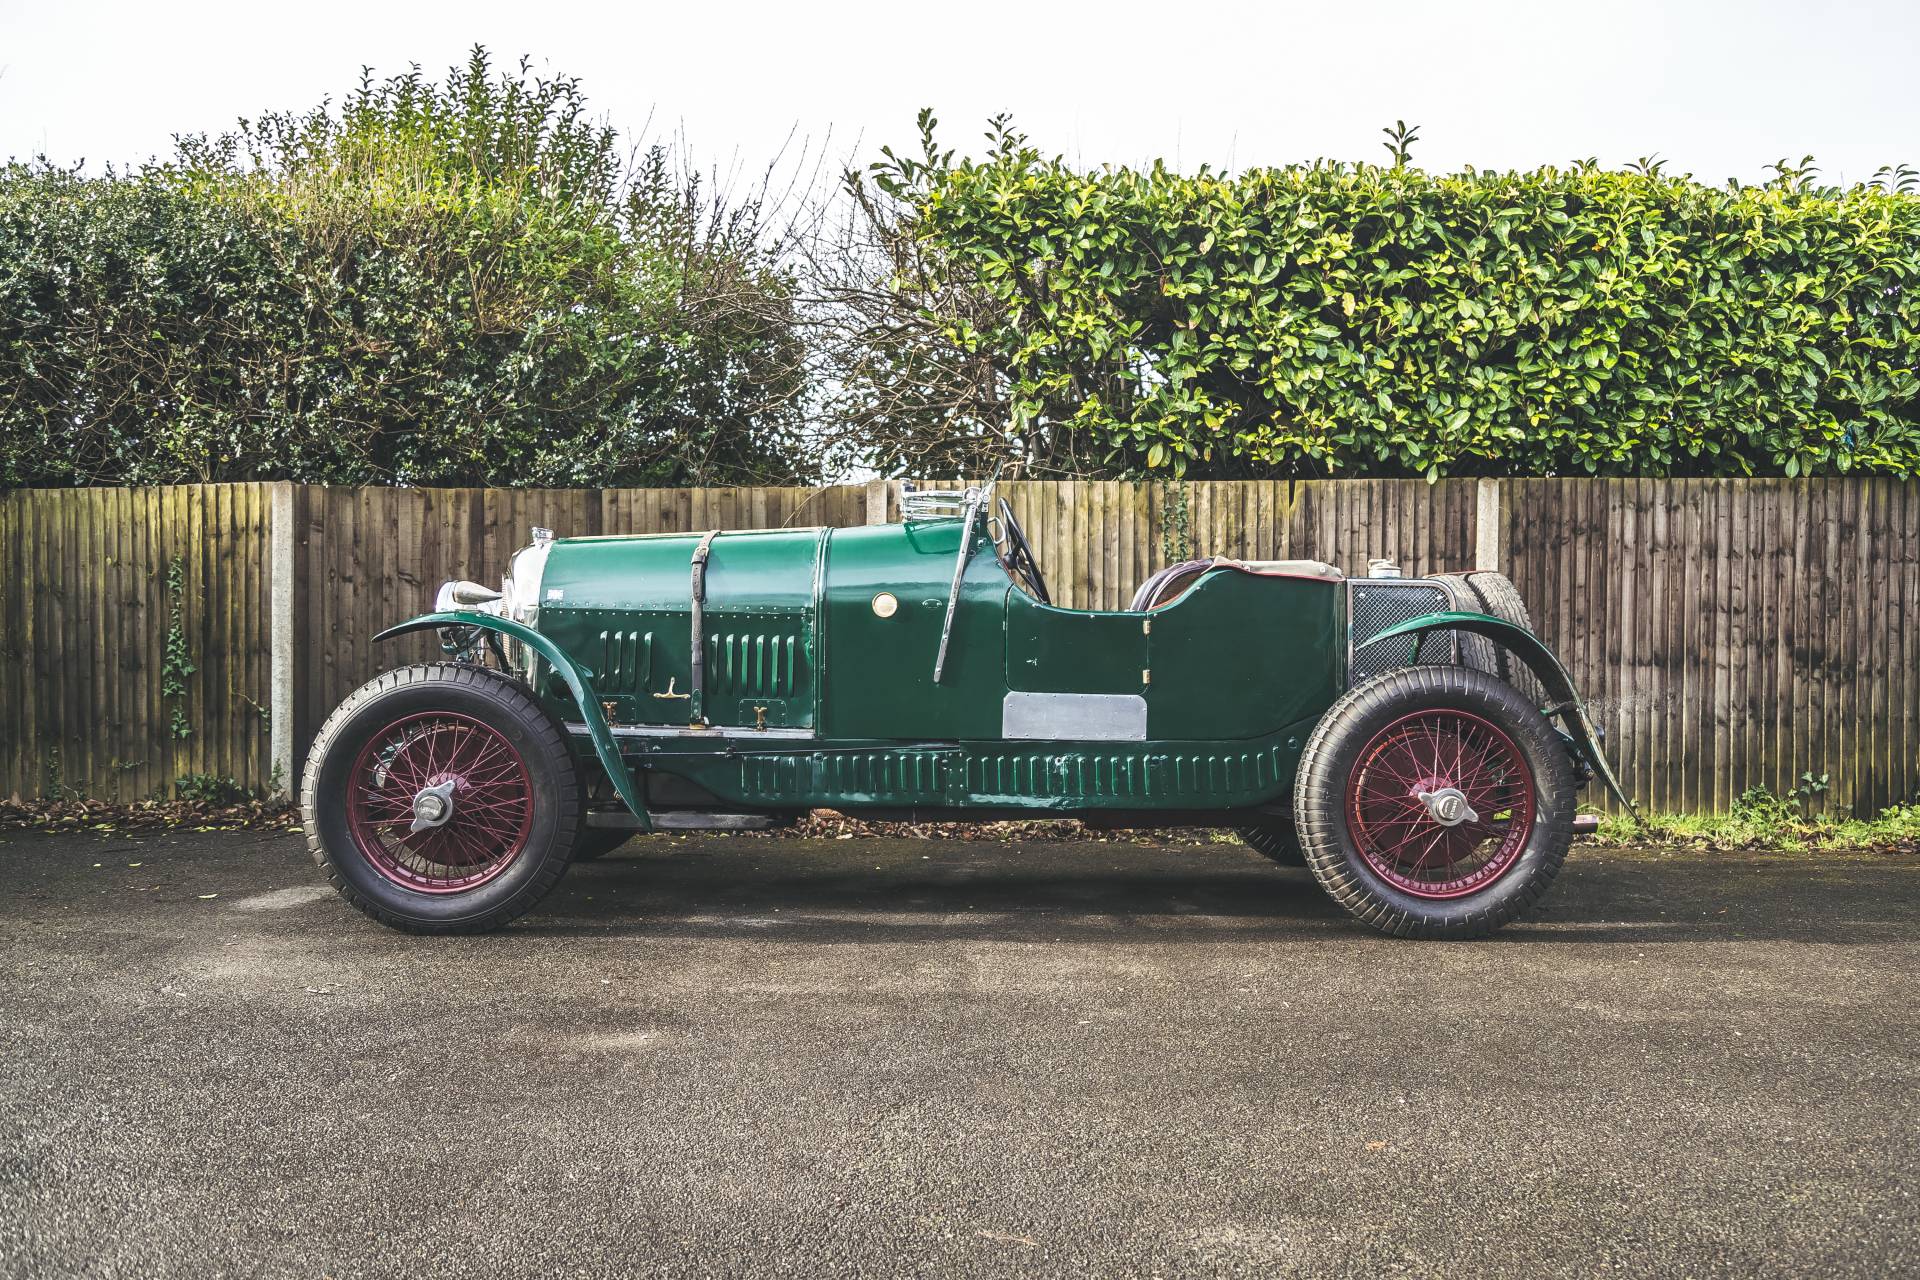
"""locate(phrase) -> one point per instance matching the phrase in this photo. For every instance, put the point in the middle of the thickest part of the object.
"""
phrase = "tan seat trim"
(1174, 581)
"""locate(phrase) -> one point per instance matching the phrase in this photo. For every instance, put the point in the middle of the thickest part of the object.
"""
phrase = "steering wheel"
(1020, 561)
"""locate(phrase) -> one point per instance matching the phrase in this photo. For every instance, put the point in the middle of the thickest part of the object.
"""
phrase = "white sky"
(1720, 89)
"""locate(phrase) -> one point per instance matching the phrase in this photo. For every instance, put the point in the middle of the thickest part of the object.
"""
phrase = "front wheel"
(441, 799)
(1274, 840)
(1434, 802)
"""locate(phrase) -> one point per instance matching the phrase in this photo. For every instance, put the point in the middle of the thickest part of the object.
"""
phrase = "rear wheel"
(598, 842)
(441, 799)
(1434, 802)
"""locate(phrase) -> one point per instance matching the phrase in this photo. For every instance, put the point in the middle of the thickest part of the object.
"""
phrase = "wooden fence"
(97, 588)
(1730, 634)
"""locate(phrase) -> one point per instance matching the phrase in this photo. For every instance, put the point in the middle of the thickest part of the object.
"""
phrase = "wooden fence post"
(281, 588)
(1487, 525)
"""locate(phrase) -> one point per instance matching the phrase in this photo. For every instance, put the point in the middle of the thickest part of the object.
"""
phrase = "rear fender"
(577, 677)
(1526, 646)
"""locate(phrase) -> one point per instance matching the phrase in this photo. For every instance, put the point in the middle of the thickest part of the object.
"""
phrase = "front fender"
(1527, 647)
(579, 683)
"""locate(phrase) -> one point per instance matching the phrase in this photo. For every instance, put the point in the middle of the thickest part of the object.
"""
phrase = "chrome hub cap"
(432, 806)
(1447, 806)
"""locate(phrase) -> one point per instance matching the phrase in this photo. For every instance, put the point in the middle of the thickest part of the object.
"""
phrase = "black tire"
(1276, 841)
(1499, 597)
(1469, 649)
(1494, 593)
(504, 706)
(1333, 753)
(597, 842)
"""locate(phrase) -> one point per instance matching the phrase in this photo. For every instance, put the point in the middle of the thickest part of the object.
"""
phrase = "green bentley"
(1408, 739)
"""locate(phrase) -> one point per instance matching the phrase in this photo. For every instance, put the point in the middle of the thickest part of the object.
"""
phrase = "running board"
(684, 820)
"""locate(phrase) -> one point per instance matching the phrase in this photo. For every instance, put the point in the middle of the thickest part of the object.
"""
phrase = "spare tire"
(1502, 597)
(1464, 647)
(1503, 602)
(1491, 593)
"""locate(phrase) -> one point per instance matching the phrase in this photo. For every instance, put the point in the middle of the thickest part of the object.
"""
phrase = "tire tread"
(550, 737)
(1320, 793)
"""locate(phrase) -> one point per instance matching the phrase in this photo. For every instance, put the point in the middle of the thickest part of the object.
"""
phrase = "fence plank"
(13, 643)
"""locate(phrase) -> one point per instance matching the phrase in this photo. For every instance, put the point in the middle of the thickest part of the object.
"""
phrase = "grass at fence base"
(1894, 830)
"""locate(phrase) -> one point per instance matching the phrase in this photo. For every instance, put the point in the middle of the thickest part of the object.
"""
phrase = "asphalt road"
(760, 1057)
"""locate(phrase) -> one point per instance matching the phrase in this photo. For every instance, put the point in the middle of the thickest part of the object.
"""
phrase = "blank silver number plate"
(1075, 717)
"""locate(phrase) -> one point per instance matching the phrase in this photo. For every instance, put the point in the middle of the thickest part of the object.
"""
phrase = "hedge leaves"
(464, 283)
(432, 284)
(1360, 320)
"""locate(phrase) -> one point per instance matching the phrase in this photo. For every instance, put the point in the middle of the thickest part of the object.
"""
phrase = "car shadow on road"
(981, 891)
(1067, 892)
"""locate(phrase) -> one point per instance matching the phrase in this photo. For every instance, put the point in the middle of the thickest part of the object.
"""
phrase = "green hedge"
(462, 283)
(1361, 320)
(430, 284)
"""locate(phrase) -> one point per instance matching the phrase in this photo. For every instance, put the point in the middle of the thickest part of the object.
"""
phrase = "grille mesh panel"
(1373, 605)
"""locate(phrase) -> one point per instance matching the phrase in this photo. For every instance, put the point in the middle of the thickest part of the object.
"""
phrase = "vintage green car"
(1397, 735)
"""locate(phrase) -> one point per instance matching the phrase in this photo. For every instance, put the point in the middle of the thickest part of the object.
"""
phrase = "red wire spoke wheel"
(1441, 803)
(1434, 802)
(442, 799)
(440, 803)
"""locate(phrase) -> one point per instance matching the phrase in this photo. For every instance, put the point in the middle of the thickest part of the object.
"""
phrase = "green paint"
(1239, 654)
(625, 608)
(830, 634)
(1074, 651)
(879, 671)
(835, 630)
